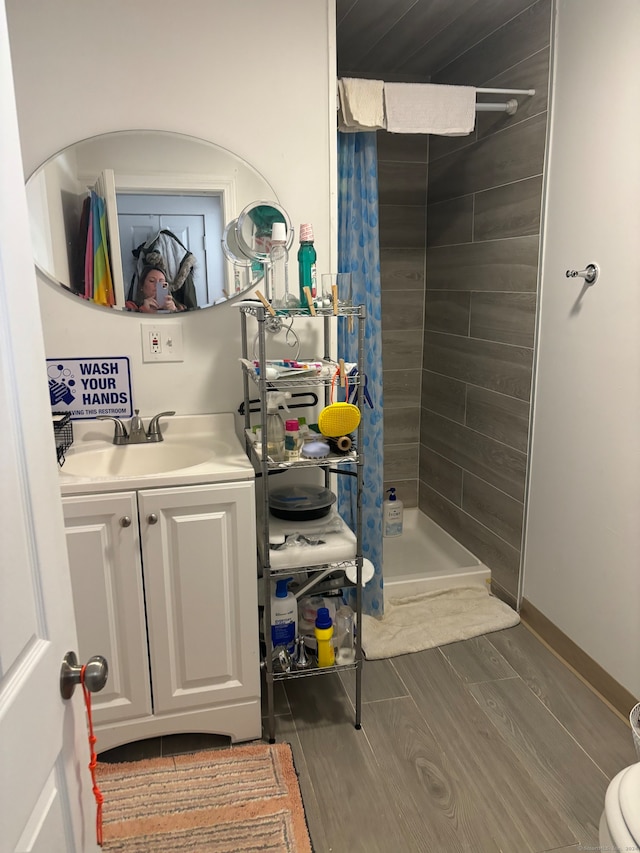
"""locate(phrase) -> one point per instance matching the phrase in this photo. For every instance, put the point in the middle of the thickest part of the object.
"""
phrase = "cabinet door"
(199, 563)
(106, 578)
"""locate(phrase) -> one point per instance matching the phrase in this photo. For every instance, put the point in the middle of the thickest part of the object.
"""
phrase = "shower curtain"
(359, 254)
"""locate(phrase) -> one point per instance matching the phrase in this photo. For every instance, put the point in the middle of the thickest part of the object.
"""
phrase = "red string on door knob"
(97, 793)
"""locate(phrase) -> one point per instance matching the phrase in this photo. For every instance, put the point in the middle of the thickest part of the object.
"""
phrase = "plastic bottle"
(275, 425)
(324, 638)
(284, 616)
(292, 440)
(279, 265)
(392, 515)
(306, 264)
(308, 607)
(345, 643)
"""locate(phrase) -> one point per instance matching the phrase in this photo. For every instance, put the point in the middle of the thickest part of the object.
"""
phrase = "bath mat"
(222, 800)
(434, 619)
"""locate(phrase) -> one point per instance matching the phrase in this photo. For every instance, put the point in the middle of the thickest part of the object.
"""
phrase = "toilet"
(620, 820)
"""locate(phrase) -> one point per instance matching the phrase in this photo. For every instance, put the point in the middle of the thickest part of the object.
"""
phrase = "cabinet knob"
(152, 518)
(125, 521)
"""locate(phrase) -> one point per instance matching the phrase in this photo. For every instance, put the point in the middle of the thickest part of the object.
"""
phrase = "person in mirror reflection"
(146, 299)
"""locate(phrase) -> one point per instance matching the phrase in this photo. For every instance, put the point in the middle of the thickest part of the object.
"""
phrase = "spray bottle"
(275, 425)
(284, 616)
(392, 515)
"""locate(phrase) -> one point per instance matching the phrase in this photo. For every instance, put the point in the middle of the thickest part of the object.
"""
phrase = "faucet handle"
(120, 435)
(153, 433)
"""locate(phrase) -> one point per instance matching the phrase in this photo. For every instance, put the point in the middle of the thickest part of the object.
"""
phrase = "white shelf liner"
(337, 547)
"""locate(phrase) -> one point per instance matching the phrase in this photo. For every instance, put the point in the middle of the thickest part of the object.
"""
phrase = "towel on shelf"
(430, 108)
(360, 104)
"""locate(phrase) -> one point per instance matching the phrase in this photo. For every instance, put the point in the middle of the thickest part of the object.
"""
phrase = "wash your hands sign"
(88, 387)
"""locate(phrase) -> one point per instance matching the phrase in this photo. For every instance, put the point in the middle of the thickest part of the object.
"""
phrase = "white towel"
(361, 104)
(430, 108)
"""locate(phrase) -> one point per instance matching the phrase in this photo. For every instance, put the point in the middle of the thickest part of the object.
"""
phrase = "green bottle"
(306, 264)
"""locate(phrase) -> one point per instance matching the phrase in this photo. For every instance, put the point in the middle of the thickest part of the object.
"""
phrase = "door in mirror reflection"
(196, 221)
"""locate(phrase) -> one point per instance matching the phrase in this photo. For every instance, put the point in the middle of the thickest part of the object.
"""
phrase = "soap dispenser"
(392, 515)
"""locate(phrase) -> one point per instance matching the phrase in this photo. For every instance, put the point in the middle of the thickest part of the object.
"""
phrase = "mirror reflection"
(255, 225)
(134, 221)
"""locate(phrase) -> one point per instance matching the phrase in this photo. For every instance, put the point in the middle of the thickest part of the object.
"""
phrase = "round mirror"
(246, 272)
(108, 211)
(253, 229)
(231, 247)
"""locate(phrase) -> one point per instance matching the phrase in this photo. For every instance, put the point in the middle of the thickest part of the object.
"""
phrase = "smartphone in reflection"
(162, 291)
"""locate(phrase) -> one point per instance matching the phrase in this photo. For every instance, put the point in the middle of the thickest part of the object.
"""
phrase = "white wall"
(582, 554)
(254, 77)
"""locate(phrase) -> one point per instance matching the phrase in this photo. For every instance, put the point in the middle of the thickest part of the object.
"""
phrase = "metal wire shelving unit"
(316, 577)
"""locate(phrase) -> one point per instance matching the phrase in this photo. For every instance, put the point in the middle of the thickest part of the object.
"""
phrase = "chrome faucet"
(136, 434)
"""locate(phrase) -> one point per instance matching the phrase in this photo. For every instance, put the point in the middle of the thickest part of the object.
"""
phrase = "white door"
(45, 792)
(196, 221)
(583, 535)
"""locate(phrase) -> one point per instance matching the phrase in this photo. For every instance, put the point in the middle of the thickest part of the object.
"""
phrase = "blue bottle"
(284, 616)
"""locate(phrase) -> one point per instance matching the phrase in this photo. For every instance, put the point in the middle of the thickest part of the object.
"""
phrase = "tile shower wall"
(458, 341)
(402, 184)
(482, 238)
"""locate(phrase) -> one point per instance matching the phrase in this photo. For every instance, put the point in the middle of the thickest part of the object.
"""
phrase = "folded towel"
(430, 108)
(361, 104)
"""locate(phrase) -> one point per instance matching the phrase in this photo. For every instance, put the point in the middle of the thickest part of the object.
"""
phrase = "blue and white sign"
(87, 387)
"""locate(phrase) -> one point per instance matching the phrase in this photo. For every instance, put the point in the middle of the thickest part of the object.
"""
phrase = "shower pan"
(426, 558)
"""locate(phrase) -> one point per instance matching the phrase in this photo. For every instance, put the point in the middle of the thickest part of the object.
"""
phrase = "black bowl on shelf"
(301, 502)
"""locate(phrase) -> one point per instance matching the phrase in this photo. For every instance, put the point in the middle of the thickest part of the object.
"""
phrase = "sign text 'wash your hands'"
(87, 387)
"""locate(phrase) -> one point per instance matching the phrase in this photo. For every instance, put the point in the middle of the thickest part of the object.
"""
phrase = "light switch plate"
(161, 341)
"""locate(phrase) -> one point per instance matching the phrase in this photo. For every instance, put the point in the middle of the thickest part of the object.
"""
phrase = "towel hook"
(590, 274)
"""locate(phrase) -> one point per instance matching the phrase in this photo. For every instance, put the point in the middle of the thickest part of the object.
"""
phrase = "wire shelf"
(258, 310)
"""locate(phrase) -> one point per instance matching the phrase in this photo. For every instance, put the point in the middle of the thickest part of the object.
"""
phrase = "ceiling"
(413, 40)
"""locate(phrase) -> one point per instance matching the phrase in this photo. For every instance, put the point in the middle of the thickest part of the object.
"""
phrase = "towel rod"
(529, 92)
(510, 107)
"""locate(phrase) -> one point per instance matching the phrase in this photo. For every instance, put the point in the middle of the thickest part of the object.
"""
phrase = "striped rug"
(245, 798)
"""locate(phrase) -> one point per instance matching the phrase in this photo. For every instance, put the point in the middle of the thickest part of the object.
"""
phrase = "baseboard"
(617, 696)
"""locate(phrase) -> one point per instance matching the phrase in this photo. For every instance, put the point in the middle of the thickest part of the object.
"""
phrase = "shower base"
(426, 558)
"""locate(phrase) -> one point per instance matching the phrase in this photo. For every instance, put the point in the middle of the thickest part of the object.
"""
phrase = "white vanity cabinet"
(164, 587)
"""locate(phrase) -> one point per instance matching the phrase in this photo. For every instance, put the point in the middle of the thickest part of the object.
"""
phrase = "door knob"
(125, 521)
(152, 518)
(96, 673)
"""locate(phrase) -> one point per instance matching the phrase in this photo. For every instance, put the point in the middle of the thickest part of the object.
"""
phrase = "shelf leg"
(271, 717)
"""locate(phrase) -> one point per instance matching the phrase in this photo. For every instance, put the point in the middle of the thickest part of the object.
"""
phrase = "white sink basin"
(196, 449)
(134, 460)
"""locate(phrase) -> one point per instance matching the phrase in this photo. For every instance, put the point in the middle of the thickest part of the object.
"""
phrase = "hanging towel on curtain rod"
(360, 104)
(430, 108)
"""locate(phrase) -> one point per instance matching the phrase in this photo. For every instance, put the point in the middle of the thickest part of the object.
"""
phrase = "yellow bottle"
(324, 637)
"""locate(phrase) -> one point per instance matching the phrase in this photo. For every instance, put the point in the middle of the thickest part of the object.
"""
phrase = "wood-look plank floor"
(491, 744)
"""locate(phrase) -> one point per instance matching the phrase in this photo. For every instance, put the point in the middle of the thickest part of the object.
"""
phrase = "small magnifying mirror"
(253, 229)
